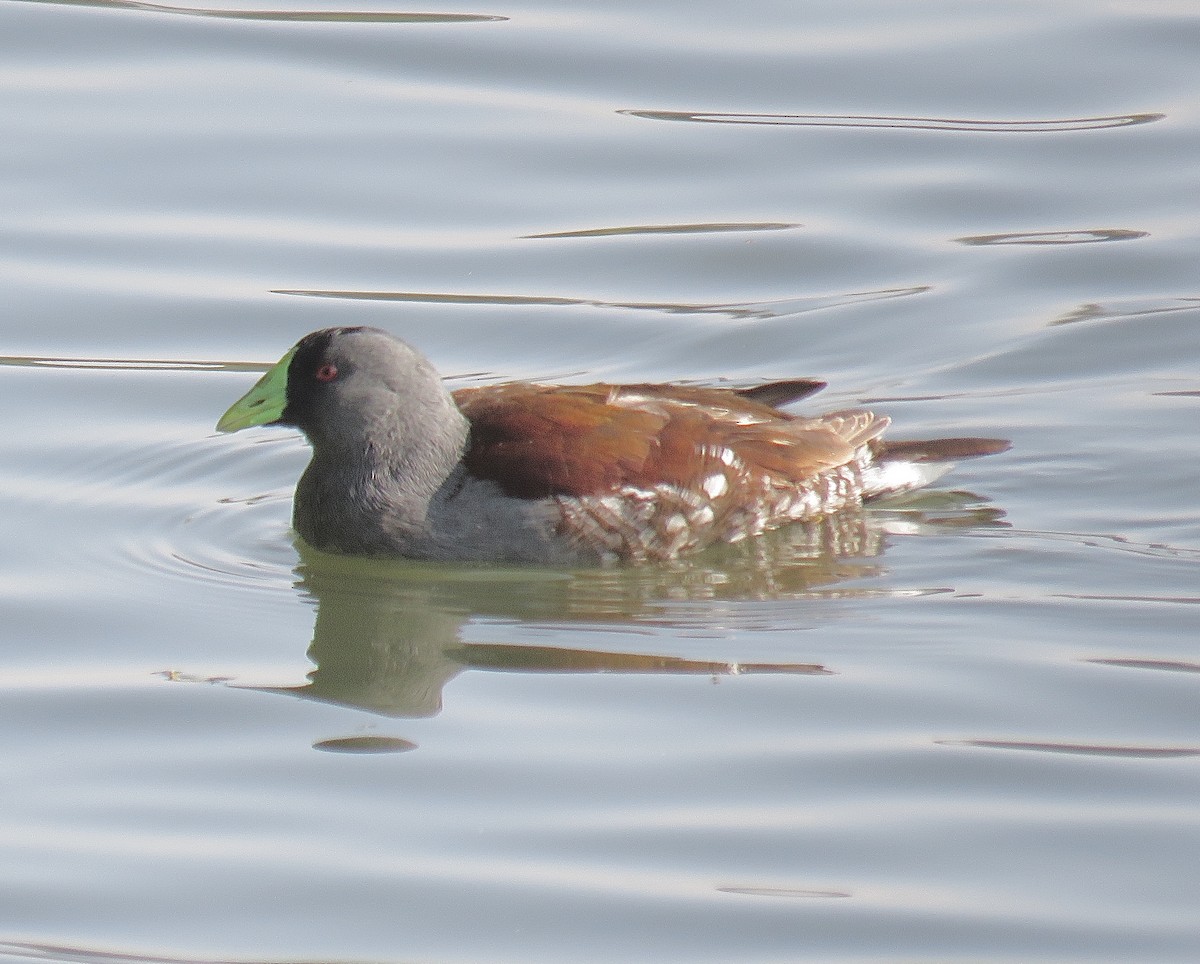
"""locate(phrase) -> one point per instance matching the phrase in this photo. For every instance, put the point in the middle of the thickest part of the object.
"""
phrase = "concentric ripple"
(139, 496)
(192, 518)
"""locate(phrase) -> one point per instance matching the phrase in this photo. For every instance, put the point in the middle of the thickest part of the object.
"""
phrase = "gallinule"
(561, 473)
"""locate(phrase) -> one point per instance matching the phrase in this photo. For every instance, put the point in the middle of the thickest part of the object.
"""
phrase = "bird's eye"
(326, 373)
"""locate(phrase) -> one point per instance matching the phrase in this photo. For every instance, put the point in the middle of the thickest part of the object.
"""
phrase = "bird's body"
(563, 474)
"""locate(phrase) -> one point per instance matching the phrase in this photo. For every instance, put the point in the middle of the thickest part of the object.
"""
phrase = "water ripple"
(129, 364)
(1100, 540)
(1083, 749)
(1055, 237)
(373, 743)
(1169, 665)
(708, 228)
(297, 16)
(1132, 308)
(736, 310)
(781, 892)
(192, 531)
(151, 509)
(79, 954)
(1054, 126)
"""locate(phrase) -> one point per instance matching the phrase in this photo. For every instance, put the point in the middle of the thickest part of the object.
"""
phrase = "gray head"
(381, 423)
(347, 387)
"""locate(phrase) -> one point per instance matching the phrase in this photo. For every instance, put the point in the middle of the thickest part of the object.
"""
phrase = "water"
(969, 734)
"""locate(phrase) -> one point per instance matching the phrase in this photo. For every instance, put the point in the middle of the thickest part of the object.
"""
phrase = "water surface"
(960, 727)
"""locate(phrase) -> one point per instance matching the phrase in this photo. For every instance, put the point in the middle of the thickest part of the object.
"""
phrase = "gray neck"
(369, 487)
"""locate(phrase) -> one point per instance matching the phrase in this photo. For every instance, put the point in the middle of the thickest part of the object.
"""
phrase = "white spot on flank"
(611, 503)
(675, 523)
(715, 485)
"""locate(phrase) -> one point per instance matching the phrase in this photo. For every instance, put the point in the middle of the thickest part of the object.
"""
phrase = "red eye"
(326, 373)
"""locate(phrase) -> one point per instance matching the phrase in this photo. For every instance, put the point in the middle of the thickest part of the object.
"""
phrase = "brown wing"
(537, 441)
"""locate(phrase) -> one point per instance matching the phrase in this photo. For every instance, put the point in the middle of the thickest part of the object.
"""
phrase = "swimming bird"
(403, 467)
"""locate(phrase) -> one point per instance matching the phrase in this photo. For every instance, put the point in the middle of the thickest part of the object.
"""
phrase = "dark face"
(320, 365)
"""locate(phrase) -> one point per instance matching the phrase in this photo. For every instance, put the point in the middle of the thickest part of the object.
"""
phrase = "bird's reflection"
(388, 634)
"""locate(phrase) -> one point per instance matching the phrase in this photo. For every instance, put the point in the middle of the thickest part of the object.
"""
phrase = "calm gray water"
(971, 732)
